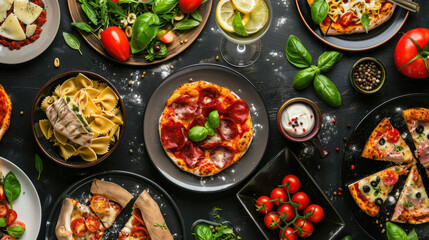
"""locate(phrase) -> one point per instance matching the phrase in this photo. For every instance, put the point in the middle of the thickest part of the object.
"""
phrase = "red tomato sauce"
(11, 44)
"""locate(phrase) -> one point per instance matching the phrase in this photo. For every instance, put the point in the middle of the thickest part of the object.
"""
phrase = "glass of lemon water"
(243, 23)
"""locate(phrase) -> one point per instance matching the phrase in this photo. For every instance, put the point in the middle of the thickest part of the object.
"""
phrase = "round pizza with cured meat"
(189, 107)
(5, 111)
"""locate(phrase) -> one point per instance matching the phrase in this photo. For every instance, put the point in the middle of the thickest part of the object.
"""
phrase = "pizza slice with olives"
(77, 222)
(146, 222)
(5, 111)
(386, 144)
(370, 192)
(413, 205)
(107, 201)
(417, 120)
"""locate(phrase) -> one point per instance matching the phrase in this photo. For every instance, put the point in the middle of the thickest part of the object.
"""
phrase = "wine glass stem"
(241, 48)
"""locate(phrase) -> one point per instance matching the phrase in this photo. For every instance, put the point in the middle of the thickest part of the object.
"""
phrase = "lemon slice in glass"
(258, 18)
(245, 6)
(225, 13)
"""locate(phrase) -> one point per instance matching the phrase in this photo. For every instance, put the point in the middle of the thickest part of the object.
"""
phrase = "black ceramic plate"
(270, 177)
(358, 41)
(224, 77)
(133, 183)
(364, 167)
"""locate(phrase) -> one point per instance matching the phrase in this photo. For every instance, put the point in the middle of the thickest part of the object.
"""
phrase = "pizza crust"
(6, 121)
(112, 191)
(368, 207)
(63, 230)
(152, 217)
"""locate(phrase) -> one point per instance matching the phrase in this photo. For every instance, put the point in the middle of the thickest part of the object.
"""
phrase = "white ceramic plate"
(34, 49)
(28, 204)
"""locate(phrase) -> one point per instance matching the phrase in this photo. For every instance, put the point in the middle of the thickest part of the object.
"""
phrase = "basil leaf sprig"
(16, 231)
(319, 11)
(145, 29)
(72, 41)
(237, 24)
(186, 24)
(364, 20)
(12, 188)
(199, 133)
(38, 163)
(299, 56)
(394, 232)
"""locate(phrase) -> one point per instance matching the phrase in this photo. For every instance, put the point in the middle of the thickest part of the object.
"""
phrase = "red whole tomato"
(294, 183)
(272, 220)
(278, 193)
(92, 223)
(306, 227)
(78, 227)
(288, 210)
(289, 234)
(263, 204)
(116, 43)
(406, 50)
(11, 216)
(188, 6)
(392, 136)
(4, 209)
(317, 211)
(302, 199)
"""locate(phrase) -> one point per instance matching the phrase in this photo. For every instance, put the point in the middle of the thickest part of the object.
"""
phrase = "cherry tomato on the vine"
(278, 193)
(302, 199)
(272, 220)
(294, 183)
(289, 234)
(263, 204)
(306, 227)
(286, 209)
(317, 211)
(116, 43)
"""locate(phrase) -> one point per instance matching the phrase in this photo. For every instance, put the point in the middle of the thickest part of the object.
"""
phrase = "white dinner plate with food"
(27, 205)
(34, 49)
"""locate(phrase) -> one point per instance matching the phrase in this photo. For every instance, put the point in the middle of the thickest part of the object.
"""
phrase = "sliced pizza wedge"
(146, 222)
(417, 120)
(413, 204)
(77, 222)
(386, 144)
(370, 192)
(5, 111)
(107, 200)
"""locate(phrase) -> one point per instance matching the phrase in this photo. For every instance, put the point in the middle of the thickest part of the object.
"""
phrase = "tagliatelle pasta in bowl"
(78, 119)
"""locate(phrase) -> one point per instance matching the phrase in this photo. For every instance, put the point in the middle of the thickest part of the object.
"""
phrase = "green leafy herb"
(304, 77)
(398, 148)
(83, 26)
(297, 54)
(163, 6)
(162, 53)
(394, 232)
(214, 119)
(326, 90)
(408, 204)
(237, 24)
(197, 15)
(319, 11)
(16, 231)
(3, 222)
(421, 136)
(38, 164)
(161, 225)
(115, 8)
(347, 238)
(197, 133)
(412, 235)
(328, 59)
(377, 190)
(145, 29)
(215, 212)
(90, 13)
(186, 25)
(210, 131)
(72, 41)
(12, 188)
(364, 20)
(202, 232)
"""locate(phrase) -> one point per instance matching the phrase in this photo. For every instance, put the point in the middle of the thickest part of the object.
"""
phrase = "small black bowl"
(37, 114)
(208, 223)
(380, 67)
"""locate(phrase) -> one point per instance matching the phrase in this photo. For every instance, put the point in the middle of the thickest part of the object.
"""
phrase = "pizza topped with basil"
(354, 16)
(205, 128)
(5, 111)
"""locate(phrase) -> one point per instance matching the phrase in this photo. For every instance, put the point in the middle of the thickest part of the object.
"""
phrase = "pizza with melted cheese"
(189, 106)
(344, 16)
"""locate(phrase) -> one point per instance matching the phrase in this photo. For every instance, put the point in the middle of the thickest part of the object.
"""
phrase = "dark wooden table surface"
(272, 76)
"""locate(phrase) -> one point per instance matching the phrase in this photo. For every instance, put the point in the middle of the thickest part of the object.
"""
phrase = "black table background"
(272, 76)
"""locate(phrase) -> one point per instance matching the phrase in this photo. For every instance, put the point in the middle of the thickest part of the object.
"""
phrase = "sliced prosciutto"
(222, 156)
(228, 128)
(424, 153)
(172, 135)
(185, 107)
(191, 153)
(239, 111)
